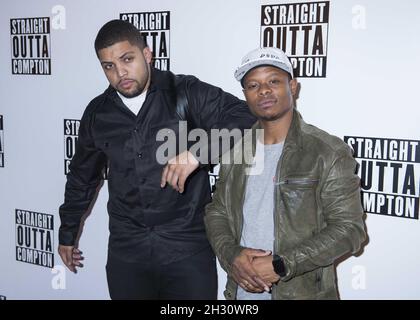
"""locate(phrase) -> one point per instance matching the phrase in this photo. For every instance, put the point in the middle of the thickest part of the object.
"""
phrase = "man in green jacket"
(291, 207)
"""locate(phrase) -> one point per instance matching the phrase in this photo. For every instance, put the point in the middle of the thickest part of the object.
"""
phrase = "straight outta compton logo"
(390, 175)
(301, 31)
(34, 238)
(71, 132)
(30, 42)
(1, 143)
(154, 27)
(213, 178)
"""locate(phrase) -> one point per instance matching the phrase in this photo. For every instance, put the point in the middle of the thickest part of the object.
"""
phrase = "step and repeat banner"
(358, 66)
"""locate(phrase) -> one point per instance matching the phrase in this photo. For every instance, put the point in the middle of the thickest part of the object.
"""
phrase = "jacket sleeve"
(343, 220)
(220, 226)
(84, 177)
(213, 108)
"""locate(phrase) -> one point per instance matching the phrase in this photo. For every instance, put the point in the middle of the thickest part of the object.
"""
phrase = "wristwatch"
(278, 265)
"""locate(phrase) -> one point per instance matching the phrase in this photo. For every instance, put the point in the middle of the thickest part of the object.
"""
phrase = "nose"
(264, 89)
(121, 71)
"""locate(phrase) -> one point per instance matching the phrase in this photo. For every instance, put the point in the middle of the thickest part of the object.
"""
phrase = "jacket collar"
(248, 147)
(294, 136)
(160, 80)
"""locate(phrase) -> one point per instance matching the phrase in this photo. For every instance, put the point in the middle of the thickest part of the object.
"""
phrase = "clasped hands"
(253, 270)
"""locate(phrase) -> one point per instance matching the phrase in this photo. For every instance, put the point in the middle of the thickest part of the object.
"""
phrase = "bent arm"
(343, 219)
(213, 108)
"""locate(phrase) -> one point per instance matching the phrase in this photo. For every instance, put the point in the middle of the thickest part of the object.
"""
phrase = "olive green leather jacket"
(318, 215)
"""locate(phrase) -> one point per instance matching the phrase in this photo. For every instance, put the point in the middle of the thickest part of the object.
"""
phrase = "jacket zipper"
(242, 206)
(276, 218)
(297, 181)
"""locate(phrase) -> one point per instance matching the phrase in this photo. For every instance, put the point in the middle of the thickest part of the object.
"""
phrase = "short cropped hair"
(116, 31)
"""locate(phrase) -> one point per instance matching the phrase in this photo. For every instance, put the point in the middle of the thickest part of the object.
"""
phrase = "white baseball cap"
(264, 57)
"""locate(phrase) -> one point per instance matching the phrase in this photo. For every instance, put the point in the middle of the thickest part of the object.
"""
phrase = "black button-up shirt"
(145, 219)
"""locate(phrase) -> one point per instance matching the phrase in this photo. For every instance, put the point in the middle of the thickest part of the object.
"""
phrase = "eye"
(274, 82)
(128, 59)
(251, 86)
(108, 66)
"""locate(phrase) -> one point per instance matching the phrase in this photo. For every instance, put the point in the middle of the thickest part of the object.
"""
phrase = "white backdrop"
(370, 90)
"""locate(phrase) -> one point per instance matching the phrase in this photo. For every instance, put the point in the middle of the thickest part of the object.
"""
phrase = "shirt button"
(136, 129)
(139, 155)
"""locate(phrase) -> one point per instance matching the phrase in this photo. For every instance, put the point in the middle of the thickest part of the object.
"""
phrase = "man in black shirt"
(157, 246)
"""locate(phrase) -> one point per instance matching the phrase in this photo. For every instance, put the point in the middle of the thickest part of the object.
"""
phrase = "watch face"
(279, 267)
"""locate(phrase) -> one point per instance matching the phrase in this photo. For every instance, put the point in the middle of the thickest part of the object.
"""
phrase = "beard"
(138, 86)
(136, 91)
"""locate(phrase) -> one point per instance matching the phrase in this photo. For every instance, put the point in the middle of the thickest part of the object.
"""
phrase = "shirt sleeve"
(83, 179)
(221, 115)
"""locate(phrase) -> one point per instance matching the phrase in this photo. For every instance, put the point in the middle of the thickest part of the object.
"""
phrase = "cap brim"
(243, 70)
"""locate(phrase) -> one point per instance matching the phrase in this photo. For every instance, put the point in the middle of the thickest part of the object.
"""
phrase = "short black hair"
(116, 31)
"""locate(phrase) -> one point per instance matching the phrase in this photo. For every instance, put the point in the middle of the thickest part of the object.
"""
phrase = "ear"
(147, 54)
(293, 87)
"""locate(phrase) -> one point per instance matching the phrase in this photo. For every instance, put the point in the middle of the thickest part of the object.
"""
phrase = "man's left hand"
(178, 169)
(264, 267)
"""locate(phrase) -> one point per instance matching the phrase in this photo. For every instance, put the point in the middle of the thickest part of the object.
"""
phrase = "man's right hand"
(245, 275)
(178, 169)
(71, 257)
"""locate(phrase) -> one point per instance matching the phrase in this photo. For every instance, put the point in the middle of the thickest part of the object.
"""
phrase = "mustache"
(122, 80)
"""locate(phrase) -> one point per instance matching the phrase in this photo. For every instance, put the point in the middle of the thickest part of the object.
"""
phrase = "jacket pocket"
(297, 207)
(297, 191)
(298, 182)
(117, 148)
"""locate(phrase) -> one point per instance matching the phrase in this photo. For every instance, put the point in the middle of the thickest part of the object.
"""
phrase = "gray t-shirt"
(258, 219)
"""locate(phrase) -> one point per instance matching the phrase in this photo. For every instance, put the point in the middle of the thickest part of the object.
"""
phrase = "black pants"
(193, 278)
